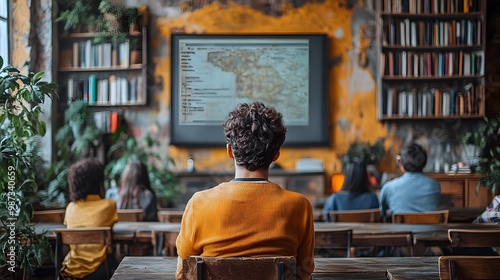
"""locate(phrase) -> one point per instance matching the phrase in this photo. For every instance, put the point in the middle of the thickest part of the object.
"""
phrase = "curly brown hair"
(85, 177)
(255, 133)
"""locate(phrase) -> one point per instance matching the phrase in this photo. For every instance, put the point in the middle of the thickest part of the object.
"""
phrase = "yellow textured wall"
(21, 24)
(351, 87)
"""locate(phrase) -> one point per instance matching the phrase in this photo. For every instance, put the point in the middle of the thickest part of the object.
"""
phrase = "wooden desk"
(326, 268)
(426, 235)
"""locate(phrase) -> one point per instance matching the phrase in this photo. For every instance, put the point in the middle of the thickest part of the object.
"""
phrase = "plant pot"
(133, 28)
(135, 57)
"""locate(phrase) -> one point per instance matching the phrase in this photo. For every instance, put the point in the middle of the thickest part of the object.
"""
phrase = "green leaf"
(37, 77)
(41, 128)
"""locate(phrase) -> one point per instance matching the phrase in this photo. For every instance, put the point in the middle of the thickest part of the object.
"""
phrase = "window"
(4, 31)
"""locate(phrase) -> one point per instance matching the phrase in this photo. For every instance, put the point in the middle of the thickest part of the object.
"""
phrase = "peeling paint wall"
(351, 84)
(350, 25)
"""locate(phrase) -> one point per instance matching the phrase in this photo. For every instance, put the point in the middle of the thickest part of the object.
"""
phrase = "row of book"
(433, 102)
(85, 54)
(410, 33)
(109, 91)
(106, 121)
(432, 64)
(431, 6)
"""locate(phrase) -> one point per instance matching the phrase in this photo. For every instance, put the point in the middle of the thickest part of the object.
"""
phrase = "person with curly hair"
(88, 209)
(249, 215)
(136, 192)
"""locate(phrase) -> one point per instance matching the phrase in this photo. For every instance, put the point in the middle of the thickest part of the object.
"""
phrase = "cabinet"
(104, 75)
(459, 191)
(310, 184)
(432, 57)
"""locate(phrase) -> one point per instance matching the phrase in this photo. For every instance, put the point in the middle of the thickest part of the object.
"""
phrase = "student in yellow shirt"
(88, 209)
(250, 216)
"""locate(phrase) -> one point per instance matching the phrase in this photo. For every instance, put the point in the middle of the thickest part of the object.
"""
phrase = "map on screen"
(216, 74)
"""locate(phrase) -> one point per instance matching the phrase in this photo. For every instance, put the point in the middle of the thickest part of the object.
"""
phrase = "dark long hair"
(355, 178)
(133, 182)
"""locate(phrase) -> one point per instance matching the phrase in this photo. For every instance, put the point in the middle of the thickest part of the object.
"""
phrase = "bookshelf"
(432, 59)
(103, 75)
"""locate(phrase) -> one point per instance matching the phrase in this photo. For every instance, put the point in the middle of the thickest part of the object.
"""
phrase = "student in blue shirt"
(356, 192)
(412, 191)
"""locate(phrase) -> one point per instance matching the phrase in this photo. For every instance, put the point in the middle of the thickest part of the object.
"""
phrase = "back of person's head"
(85, 177)
(255, 133)
(355, 177)
(133, 181)
(413, 157)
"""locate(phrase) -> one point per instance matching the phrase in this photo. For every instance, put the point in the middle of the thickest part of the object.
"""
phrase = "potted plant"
(21, 96)
(487, 140)
(78, 14)
(146, 150)
(76, 139)
(364, 151)
(111, 22)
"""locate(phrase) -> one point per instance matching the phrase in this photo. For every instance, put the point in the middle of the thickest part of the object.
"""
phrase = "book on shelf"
(88, 55)
(107, 91)
(433, 102)
(106, 121)
(433, 64)
(431, 6)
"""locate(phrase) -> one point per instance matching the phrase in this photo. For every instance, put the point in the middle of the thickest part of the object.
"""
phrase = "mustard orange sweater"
(252, 219)
(92, 211)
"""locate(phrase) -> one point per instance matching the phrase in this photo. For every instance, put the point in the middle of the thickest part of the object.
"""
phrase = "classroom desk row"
(341, 268)
(423, 234)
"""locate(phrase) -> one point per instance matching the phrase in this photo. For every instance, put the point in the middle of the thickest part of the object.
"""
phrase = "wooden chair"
(130, 215)
(163, 242)
(49, 216)
(170, 216)
(468, 267)
(74, 236)
(355, 216)
(389, 240)
(332, 240)
(432, 217)
(481, 238)
(241, 268)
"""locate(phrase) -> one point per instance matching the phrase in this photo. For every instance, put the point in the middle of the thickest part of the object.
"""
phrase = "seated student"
(250, 216)
(355, 193)
(88, 209)
(136, 192)
(492, 212)
(412, 191)
(490, 215)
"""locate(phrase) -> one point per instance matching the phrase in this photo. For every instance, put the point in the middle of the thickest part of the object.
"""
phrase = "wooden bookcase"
(432, 57)
(107, 76)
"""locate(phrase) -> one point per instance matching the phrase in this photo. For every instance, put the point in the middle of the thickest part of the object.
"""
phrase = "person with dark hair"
(136, 192)
(88, 209)
(250, 216)
(355, 194)
(412, 191)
